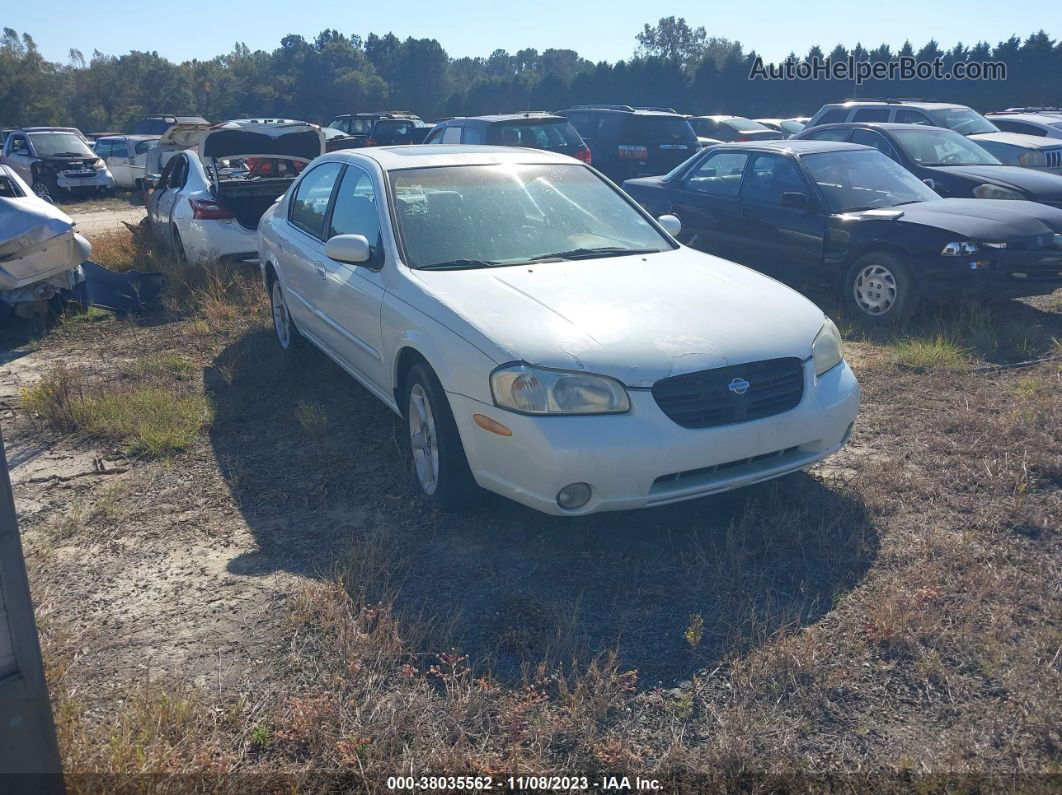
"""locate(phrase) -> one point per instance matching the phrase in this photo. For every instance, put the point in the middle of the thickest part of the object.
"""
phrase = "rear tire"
(879, 289)
(287, 335)
(440, 467)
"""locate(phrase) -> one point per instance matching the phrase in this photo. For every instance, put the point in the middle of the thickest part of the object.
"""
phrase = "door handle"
(317, 266)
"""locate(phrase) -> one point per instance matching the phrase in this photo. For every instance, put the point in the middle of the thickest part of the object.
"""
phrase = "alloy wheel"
(423, 439)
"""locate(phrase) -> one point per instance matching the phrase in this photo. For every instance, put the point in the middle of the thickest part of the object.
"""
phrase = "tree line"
(675, 65)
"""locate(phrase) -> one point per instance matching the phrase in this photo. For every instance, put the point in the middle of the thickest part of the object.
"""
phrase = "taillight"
(206, 210)
(634, 152)
(370, 141)
(583, 153)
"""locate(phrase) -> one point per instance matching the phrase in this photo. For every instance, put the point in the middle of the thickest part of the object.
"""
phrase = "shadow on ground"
(504, 584)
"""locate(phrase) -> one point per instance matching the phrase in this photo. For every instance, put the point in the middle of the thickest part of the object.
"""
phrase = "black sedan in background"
(839, 215)
(952, 164)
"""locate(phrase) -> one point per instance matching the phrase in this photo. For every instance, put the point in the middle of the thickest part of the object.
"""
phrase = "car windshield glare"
(940, 148)
(967, 122)
(863, 180)
(60, 143)
(460, 217)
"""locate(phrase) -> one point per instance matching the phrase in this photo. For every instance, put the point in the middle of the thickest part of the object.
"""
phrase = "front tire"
(440, 467)
(879, 289)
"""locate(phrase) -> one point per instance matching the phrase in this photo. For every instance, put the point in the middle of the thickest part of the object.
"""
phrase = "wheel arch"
(867, 247)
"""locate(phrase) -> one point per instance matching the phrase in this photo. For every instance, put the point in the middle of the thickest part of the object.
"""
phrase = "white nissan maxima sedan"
(543, 337)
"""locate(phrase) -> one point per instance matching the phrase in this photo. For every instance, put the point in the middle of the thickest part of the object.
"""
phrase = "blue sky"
(598, 30)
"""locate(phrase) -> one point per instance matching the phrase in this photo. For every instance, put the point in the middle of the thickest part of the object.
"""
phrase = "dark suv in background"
(628, 142)
(381, 128)
(532, 129)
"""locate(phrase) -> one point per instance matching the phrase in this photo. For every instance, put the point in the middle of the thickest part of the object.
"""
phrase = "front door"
(352, 295)
(785, 242)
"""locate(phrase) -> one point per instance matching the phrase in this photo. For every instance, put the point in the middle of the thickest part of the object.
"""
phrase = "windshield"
(60, 143)
(965, 121)
(862, 180)
(549, 135)
(661, 129)
(509, 214)
(745, 125)
(940, 148)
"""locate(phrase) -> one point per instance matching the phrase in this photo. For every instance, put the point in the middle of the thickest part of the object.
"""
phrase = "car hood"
(1038, 183)
(976, 219)
(636, 318)
(1018, 139)
(297, 141)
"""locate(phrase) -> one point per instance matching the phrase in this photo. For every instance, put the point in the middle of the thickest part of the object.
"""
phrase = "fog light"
(573, 496)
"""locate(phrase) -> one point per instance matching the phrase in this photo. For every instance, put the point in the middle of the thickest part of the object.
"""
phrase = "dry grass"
(146, 419)
(933, 355)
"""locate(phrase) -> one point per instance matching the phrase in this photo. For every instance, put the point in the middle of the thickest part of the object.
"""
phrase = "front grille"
(705, 399)
(741, 463)
(1054, 158)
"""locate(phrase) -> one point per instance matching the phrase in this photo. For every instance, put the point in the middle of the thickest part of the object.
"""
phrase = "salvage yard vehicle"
(639, 372)
(1042, 123)
(626, 142)
(40, 253)
(836, 215)
(207, 202)
(54, 159)
(177, 138)
(1027, 151)
(724, 129)
(126, 157)
(534, 130)
(382, 128)
(953, 165)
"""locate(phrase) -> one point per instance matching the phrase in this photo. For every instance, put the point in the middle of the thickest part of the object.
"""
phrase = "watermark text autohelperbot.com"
(904, 67)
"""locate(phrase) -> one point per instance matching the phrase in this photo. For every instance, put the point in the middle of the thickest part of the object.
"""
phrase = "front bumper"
(993, 273)
(642, 458)
(99, 179)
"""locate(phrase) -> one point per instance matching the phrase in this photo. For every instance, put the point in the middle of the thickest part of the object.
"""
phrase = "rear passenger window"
(452, 135)
(871, 138)
(719, 174)
(143, 146)
(833, 116)
(830, 135)
(356, 213)
(309, 205)
(472, 136)
(905, 116)
(581, 122)
(871, 114)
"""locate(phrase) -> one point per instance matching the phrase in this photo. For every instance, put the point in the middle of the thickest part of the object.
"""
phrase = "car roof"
(792, 146)
(1039, 118)
(907, 103)
(499, 117)
(879, 125)
(626, 110)
(720, 117)
(395, 158)
(50, 129)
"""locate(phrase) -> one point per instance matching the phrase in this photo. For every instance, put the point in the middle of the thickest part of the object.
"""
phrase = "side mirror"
(932, 185)
(353, 249)
(795, 201)
(671, 224)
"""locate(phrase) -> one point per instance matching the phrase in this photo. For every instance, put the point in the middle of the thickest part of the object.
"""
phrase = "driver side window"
(770, 177)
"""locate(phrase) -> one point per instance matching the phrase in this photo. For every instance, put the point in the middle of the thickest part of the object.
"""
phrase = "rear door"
(706, 201)
(166, 194)
(669, 140)
(303, 271)
(785, 242)
(19, 156)
(351, 296)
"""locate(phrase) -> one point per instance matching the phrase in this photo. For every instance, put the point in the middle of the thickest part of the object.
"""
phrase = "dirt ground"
(893, 610)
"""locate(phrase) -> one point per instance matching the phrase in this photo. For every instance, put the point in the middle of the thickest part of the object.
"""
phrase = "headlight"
(959, 249)
(827, 350)
(987, 191)
(1032, 159)
(100, 165)
(535, 390)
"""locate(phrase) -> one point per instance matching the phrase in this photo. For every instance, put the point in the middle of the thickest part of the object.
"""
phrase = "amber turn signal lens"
(487, 424)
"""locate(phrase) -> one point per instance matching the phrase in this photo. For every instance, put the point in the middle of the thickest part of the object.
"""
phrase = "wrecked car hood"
(637, 318)
(183, 135)
(294, 140)
(976, 219)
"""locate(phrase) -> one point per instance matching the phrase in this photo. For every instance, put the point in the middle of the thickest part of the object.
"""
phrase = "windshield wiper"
(457, 265)
(589, 253)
